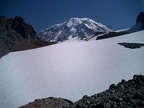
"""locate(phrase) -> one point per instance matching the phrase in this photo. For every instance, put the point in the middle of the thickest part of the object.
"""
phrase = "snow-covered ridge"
(121, 30)
(56, 25)
(77, 28)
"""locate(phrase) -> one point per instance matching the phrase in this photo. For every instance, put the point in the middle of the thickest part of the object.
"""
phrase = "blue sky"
(41, 14)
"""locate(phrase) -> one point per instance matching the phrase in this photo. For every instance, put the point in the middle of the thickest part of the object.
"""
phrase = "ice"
(68, 70)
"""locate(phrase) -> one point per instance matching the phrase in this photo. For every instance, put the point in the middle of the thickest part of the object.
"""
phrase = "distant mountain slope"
(73, 29)
(110, 34)
(16, 35)
(136, 27)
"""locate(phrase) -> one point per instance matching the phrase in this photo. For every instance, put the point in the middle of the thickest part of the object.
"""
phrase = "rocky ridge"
(17, 35)
(50, 102)
(126, 94)
(140, 19)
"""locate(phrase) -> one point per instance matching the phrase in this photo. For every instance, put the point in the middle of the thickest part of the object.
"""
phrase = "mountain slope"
(136, 27)
(68, 70)
(73, 29)
(16, 35)
(139, 23)
(110, 34)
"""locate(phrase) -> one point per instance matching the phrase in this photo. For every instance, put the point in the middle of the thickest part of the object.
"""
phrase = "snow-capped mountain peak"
(74, 22)
(76, 28)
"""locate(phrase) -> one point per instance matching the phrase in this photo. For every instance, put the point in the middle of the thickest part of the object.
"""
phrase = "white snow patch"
(122, 30)
(73, 30)
(70, 23)
(59, 33)
(68, 70)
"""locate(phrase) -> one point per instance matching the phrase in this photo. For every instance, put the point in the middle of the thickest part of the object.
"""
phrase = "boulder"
(50, 102)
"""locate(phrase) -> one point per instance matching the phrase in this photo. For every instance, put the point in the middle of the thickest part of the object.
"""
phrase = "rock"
(115, 97)
(17, 35)
(85, 97)
(99, 106)
(123, 81)
(140, 104)
(21, 27)
(131, 45)
(112, 86)
(49, 103)
(140, 19)
(137, 78)
(138, 95)
(111, 34)
(123, 95)
(139, 23)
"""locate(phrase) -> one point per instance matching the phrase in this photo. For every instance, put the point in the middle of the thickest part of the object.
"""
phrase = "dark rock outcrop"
(139, 23)
(131, 45)
(17, 35)
(20, 26)
(112, 34)
(50, 102)
(126, 94)
(140, 19)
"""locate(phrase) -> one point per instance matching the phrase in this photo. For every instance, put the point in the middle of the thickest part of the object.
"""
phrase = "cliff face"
(17, 35)
(139, 23)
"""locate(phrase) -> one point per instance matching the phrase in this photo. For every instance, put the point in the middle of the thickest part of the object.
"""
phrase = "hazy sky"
(41, 14)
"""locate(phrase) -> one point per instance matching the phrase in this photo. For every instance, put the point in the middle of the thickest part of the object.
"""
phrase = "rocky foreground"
(126, 94)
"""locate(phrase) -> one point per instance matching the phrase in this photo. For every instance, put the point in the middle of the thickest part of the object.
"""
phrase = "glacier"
(68, 70)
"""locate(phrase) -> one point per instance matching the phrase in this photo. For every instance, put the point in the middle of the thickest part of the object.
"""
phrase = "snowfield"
(68, 70)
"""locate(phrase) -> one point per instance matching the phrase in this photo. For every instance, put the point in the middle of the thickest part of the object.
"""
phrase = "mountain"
(68, 70)
(136, 27)
(17, 35)
(73, 29)
(139, 23)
